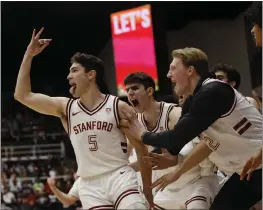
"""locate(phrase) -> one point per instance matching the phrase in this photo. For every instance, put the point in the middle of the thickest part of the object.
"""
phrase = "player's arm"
(207, 166)
(174, 117)
(141, 151)
(198, 154)
(67, 199)
(134, 165)
(209, 104)
(39, 102)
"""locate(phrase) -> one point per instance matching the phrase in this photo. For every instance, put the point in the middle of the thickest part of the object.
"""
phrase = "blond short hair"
(193, 57)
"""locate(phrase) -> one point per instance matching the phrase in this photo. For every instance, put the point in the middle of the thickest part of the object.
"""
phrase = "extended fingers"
(246, 168)
(124, 123)
(33, 34)
(157, 182)
(39, 33)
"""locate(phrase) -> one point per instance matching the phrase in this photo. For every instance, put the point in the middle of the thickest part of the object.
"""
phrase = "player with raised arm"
(92, 123)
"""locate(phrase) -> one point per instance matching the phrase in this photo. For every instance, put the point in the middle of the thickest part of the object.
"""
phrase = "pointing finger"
(39, 33)
(33, 34)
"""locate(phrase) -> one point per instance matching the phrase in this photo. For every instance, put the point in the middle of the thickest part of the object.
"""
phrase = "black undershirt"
(208, 103)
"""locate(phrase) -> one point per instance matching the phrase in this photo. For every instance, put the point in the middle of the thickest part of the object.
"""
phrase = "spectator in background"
(9, 198)
(30, 169)
(230, 75)
(14, 183)
(25, 204)
(42, 201)
(38, 186)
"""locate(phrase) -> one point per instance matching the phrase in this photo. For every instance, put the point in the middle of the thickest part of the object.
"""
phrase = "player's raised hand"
(36, 44)
(51, 182)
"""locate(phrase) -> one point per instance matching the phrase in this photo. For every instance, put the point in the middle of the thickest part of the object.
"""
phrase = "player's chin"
(74, 94)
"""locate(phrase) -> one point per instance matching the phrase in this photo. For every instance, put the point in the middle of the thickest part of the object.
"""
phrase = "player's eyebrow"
(132, 87)
(72, 68)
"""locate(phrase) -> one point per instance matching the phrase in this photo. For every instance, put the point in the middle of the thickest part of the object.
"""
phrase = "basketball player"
(91, 120)
(254, 15)
(66, 199)
(192, 190)
(230, 75)
(230, 126)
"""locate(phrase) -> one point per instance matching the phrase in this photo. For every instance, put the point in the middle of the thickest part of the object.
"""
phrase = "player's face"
(78, 80)
(257, 34)
(138, 96)
(221, 76)
(178, 75)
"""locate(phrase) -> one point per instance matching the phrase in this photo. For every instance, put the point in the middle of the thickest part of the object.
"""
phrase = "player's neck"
(92, 98)
(152, 113)
(192, 86)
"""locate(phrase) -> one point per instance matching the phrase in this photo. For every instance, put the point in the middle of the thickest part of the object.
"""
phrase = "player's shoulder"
(253, 101)
(122, 104)
(175, 113)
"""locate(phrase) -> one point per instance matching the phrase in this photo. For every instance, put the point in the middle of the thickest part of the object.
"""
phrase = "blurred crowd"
(24, 184)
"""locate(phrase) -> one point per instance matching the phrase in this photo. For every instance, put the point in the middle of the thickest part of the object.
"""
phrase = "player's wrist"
(52, 187)
(29, 54)
(142, 135)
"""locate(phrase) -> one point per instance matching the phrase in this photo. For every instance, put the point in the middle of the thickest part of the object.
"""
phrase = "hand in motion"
(131, 125)
(51, 182)
(161, 161)
(36, 44)
(165, 180)
(252, 164)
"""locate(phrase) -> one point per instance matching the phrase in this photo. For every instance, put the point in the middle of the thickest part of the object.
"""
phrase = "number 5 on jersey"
(93, 143)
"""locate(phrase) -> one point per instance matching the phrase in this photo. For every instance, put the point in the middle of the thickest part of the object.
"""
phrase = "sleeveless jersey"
(236, 136)
(162, 125)
(99, 145)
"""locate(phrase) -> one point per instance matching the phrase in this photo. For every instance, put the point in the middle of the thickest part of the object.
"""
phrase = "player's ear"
(233, 84)
(191, 70)
(92, 74)
(150, 91)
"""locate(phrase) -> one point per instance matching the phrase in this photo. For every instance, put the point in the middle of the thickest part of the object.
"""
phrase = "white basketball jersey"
(99, 145)
(162, 122)
(162, 125)
(236, 136)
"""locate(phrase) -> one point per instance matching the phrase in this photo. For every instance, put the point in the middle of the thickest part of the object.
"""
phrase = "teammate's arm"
(66, 199)
(39, 102)
(174, 117)
(141, 151)
(209, 104)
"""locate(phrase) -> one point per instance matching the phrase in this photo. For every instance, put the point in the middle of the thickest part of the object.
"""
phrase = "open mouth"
(135, 103)
(72, 88)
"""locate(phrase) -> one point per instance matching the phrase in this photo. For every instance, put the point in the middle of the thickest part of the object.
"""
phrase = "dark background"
(85, 27)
